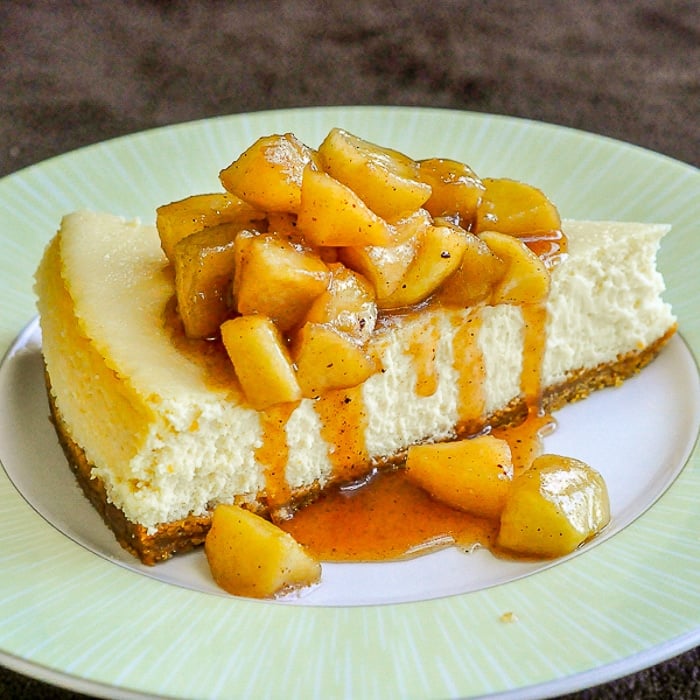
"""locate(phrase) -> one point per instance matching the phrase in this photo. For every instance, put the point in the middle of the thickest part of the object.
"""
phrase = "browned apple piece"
(409, 226)
(331, 214)
(526, 279)
(261, 360)
(347, 305)
(383, 266)
(250, 556)
(474, 475)
(203, 264)
(475, 278)
(268, 174)
(327, 359)
(553, 507)
(178, 220)
(439, 254)
(456, 189)
(386, 180)
(277, 279)
(509, 206)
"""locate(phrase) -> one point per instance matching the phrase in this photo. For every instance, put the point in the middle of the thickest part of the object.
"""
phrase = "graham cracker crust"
(186, 534)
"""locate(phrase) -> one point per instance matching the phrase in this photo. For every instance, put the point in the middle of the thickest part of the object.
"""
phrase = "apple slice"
(509, 206)
(456, 189)
(473, 281)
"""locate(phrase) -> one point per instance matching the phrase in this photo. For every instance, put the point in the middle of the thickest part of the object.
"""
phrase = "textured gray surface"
(74, 73)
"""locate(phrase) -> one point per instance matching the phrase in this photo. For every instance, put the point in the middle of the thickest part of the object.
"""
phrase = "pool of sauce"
(382, 518)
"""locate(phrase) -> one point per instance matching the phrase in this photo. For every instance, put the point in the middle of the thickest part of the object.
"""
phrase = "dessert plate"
(79, 612)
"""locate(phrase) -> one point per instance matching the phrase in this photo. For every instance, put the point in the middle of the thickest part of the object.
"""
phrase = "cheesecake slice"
(158, 429)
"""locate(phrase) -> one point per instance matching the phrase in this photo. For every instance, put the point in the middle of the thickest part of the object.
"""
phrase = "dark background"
(74, 73)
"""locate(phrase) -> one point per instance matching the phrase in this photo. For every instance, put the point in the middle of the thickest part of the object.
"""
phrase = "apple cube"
(474, 475)
(178, 220)
(331, 214)
(250, 556)
(261, 360)
(386, 180)
(268, 174)
(327, 359)
(276, 278)
(203, 264)
(348, 304)
(553, 507)
(509, 206)
(526, 279)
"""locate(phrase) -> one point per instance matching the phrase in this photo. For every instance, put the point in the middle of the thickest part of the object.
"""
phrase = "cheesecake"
(159, 424)
(157, 437)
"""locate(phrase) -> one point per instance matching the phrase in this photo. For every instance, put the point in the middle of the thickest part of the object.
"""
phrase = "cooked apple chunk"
(327, 359)
(275, 278)
(439, 254)
(268, 174)
(509, 206)
(383, 266)
(553, 507)
(178, 220)
(203, 264)
(474, 475)
(260, 358)
(249, 556)
(386, 180)
(331, 214)
(347, 304)
(456, 189)
(526, 279)
(473, 281)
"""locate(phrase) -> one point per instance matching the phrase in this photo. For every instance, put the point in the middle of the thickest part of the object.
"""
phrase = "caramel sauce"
(343, 424)
(550, 246)
(210, 355)
(422, 349)
(535, 319)
(385, 517)
(274, 451)
(471, 372)
(525, 439)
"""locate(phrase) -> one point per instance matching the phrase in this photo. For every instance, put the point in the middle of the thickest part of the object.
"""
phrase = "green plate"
(83, 619)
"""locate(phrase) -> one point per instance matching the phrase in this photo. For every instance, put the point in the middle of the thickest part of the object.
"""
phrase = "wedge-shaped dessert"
(279, 349)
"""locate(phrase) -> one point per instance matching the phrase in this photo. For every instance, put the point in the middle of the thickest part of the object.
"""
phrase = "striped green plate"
(77, 612)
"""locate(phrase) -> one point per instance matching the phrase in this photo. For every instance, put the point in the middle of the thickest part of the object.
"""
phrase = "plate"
(79, 613)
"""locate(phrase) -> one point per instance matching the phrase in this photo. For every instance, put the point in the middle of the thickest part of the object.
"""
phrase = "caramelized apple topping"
(313, 246)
